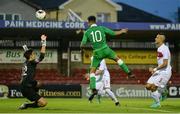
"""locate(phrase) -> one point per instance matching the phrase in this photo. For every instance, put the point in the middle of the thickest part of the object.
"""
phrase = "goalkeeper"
(29, 86)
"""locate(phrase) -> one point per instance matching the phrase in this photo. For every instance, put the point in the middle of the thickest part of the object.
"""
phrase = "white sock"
(92, 75)
(156, 96)
(111, 94)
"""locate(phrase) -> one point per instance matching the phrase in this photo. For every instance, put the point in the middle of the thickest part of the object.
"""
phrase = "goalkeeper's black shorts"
(30, 93)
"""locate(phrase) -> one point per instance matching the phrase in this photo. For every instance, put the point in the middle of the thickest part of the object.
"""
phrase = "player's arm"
(84, 41)
(114, 33)
(163, 65)
(101, 68)
(43, 49)
(122, 31)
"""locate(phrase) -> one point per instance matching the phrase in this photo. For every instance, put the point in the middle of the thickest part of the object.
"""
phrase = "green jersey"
(96, 35)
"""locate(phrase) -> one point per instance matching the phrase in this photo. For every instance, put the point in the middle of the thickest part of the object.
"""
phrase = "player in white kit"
(161, 74)
(103, 83)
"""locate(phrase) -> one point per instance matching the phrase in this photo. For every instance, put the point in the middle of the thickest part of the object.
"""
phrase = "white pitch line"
(150, 109)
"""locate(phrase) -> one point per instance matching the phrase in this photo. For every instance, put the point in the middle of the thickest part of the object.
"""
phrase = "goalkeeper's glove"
(43, 40)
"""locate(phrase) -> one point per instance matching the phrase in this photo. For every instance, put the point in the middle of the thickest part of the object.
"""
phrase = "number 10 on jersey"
(97, 36)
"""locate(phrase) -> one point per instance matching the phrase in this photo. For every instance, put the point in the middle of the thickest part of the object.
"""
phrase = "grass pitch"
(60, 105)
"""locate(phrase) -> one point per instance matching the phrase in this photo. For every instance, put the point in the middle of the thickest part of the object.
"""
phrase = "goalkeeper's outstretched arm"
(43, 48)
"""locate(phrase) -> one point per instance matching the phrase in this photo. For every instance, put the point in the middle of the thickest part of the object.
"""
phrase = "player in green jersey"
(96, 35)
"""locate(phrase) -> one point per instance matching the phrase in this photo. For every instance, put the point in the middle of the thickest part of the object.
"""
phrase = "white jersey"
(103, 80)
(162, 76)
(103, 67)
(164, 53)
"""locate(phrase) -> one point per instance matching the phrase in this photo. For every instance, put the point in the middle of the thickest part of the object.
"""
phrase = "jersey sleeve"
(38, 60)
(84, 40)
(165, 53)
(102, 65)
(108, 31)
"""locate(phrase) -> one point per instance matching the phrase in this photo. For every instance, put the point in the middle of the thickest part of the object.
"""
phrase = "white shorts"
(106, 82)
(99, 86)
(160, 79)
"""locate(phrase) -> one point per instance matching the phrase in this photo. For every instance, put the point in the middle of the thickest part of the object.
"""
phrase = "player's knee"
(116, 58)
(107, 90)
(42, 102)
(93, 69)
(148, 86)
(153, 88)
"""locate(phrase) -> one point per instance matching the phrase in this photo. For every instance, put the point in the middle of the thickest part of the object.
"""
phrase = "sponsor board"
(4, 91)
(50, 91)
(41, 24)
(129, 56)
(75, 56)
(123, 91)
(83, 25)
(174, 91)
(16, 56)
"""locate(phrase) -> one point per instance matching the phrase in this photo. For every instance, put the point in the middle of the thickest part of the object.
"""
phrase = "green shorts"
(99, 55)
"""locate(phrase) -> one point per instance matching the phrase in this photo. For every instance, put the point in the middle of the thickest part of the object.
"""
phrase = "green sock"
(123, 66)
(92, 82)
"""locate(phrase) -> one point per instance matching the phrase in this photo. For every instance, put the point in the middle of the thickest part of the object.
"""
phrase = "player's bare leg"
(124, 67)
(40, 103)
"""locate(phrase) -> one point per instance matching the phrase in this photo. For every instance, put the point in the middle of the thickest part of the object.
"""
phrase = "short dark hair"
(28, 53)
(92, 18)
(163, 34)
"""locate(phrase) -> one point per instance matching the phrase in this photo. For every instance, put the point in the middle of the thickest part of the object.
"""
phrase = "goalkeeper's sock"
(92, 81)
(123, 66)
(32, 105)
(111, 94)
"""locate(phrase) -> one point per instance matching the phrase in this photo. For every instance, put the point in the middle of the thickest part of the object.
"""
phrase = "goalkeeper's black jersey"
(28, 72)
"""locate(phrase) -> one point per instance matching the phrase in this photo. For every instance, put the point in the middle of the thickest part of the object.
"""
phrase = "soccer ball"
(40, 14)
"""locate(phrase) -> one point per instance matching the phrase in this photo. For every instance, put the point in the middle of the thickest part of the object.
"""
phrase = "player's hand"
(151, 70)
(124, 30)
(86, 76)
(43, 37)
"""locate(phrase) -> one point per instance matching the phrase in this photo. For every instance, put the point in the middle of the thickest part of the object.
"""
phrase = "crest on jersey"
(160, 54)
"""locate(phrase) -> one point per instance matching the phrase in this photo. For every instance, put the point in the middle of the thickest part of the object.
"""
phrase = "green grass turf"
(83, 106)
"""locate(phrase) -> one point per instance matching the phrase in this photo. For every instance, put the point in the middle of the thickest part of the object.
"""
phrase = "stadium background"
(62, 71)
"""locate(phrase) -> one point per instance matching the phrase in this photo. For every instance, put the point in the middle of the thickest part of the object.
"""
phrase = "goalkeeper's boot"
(164, 95)
(155, 105)
(23, 106)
